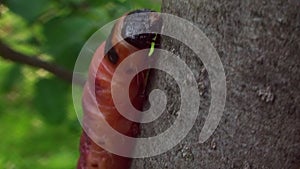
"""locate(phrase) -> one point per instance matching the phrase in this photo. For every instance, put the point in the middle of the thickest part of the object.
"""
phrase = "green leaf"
(65, 37)
(97, 2)
(73, 1)
(74, 126)
(30, 10)
(51, 100)
(12, 78)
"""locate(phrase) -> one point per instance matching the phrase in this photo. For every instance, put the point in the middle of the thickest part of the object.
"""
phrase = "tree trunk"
(259, 45)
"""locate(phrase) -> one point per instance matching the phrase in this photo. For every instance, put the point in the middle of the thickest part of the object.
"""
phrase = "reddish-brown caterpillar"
(93, 156)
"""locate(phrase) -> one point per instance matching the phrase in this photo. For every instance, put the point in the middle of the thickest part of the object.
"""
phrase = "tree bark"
(259, 45)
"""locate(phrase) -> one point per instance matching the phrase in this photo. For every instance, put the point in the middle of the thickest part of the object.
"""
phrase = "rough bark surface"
(259, 45)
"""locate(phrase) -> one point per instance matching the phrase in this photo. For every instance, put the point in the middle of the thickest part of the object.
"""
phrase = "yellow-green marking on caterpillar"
(152, 46)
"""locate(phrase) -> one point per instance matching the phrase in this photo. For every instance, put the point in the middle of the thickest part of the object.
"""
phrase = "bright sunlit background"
(38, 124)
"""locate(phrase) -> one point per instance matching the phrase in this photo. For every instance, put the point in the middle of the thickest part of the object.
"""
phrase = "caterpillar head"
(136, 23)
(128, 35)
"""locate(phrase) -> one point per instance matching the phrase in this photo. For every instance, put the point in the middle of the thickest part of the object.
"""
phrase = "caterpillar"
(113, 51)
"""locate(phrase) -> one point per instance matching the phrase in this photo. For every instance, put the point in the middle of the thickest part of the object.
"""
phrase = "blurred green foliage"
(39, 128)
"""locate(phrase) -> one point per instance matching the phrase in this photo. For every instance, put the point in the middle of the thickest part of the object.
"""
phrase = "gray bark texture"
(258, 42)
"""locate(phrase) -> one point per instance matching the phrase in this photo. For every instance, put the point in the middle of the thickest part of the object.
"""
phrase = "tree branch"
(9, 54)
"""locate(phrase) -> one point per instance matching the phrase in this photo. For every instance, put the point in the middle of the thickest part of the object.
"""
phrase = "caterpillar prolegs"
(113, 52)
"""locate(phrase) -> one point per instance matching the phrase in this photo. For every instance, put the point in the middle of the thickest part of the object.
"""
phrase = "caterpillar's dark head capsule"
(137, 25)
